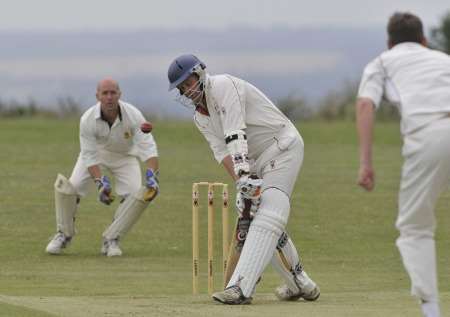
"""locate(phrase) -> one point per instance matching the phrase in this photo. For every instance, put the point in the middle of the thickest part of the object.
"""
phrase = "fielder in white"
(417, 79)
(110, 140)
(249, 135)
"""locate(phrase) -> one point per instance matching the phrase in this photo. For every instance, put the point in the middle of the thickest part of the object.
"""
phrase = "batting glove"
(240, 204)
(104, 190)
(249, 187)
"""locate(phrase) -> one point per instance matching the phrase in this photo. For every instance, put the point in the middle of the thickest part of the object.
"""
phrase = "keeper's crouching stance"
(248, 134)
(110, 139)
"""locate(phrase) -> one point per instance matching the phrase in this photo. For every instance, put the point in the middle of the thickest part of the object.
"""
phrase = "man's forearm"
(364, 123)
(228, 164)
(95, 171)
(153, 163)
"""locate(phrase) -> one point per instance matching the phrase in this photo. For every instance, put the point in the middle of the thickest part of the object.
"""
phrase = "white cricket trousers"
(425, 175)
(278, 166)
(125, 169)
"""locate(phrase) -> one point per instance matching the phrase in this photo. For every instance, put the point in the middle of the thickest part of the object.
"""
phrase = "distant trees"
(295, 108)
(340, 104)
(440, 35)
(65, 107)
(337, 105)
(18, 109)
(68, 107)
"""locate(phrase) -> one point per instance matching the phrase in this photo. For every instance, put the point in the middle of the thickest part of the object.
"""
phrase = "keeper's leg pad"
(65, 205)
(286, 262)
(127, 214)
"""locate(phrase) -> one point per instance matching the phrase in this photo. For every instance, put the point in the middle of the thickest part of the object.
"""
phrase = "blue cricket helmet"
(182, 67)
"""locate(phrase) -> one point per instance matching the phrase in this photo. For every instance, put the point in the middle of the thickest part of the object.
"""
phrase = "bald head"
(108, 83)
(108, 94)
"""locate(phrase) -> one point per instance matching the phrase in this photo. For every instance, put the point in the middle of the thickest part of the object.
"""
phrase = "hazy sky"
(139, 14)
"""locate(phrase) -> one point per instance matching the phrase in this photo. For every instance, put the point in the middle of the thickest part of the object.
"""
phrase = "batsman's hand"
(366, 177)
(152, 183)
(249, 186)
(241, 205)
(104, 190)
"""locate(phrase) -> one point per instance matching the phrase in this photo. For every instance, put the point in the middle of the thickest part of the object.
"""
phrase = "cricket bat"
(236, 245)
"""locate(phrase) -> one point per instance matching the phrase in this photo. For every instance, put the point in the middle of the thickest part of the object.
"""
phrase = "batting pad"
(263, 236)
(286, 262)
(127, 214)
(256, 254)
(65, 205)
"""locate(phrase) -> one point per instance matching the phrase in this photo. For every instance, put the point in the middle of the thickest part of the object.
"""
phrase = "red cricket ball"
(146, 127)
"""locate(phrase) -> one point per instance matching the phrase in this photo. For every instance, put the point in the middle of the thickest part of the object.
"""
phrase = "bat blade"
(236, 245)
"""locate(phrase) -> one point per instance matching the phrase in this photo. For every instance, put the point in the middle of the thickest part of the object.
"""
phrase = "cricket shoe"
(232, 296)
(308, 290)
(58, 242)
(111, 248)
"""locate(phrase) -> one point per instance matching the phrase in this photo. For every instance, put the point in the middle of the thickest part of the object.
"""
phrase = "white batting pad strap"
(65, 205)
(256, 254)
(286, 262)
(236, 142)
(127, 215)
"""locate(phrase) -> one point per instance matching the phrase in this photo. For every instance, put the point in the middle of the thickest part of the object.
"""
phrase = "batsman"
(249, 136)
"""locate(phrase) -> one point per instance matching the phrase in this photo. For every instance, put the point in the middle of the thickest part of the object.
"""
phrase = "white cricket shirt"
(98, 140)
(235, 104)
(415, 78)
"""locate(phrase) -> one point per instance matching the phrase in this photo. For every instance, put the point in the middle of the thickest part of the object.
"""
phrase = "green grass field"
(345, 236)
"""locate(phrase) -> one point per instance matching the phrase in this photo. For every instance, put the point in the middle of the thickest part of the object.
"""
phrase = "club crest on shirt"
(127, 135)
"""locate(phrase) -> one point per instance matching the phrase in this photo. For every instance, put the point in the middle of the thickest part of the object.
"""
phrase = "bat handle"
(247, 207)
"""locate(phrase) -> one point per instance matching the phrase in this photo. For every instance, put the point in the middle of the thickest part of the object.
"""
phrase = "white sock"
(430, 309)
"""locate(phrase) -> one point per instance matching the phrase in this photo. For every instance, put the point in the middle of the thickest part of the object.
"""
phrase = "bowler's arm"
(365, 109)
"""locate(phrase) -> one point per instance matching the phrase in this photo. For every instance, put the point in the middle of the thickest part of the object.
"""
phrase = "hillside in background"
(46, 66)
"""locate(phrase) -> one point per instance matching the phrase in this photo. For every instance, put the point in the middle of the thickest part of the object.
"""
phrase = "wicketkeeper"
(249, 135)
(417, 80)
(110, 140)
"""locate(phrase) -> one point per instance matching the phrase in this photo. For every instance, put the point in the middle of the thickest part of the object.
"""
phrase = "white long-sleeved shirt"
(416, 79)
(234, 104)
(98, 141)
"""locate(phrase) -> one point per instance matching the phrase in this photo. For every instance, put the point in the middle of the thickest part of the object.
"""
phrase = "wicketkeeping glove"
(104, 190)
(151, 182)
